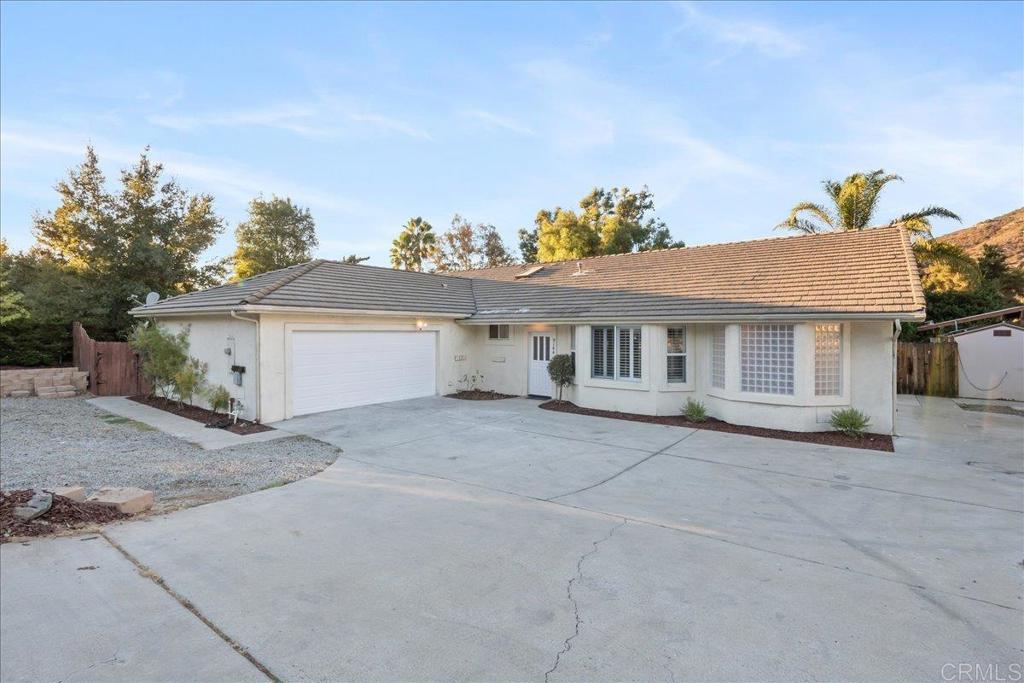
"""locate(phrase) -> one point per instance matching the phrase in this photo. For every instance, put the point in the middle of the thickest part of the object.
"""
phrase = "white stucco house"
(991, 361)
(774, 332)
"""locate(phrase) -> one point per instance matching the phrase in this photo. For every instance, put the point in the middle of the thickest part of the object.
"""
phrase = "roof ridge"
(277, 284)
(830, 233)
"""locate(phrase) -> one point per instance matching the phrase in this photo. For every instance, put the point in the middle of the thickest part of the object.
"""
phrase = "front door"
(542, 345)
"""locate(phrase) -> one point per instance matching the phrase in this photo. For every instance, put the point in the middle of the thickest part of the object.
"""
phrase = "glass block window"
(615, 352)
(766, 359)
(675, 355)
(718, 356)
(828, 359)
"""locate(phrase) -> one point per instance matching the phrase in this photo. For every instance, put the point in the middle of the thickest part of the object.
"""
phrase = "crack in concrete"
(567, 643)
(188, 605)
(639, 462)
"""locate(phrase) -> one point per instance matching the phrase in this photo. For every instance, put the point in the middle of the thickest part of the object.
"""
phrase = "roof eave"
(909, 316)
(141, 312)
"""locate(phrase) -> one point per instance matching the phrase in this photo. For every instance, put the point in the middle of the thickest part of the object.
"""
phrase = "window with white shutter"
(616, 353)
(675, 355)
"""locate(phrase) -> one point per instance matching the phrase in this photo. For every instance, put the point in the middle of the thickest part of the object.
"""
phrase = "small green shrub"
(163, 354)
(850, 421)
(219, 398)
(561, 369)
(189, 380)
(695, 411)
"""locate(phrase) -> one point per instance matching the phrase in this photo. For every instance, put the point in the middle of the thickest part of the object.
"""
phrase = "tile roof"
(866, 273)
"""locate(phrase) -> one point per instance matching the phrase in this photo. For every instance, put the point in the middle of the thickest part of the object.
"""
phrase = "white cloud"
(766, 38)
(295, 118)
(493, 121)
(389, 124)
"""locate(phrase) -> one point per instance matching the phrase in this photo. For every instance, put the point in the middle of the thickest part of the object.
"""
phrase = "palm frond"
(798, 224)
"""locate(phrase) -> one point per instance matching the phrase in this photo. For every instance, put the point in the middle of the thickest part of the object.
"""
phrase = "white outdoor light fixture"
(421, 325)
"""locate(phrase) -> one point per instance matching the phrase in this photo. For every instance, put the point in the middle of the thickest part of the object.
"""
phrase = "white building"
(991, 361)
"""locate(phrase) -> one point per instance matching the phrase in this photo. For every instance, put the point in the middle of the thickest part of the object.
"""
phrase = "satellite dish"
(152, 298)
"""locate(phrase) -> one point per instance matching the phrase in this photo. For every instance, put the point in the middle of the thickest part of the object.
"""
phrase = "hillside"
(1005, 232)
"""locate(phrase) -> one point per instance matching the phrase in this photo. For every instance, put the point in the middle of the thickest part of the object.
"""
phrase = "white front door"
(542, 346)
(332, 370)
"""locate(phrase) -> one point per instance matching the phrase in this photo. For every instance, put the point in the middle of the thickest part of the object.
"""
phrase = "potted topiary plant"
(561, 370)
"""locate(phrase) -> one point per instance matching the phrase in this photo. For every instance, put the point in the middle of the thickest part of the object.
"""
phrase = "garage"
(333, 370)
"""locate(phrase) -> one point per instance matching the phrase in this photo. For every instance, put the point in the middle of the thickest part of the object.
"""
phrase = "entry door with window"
(542, 346)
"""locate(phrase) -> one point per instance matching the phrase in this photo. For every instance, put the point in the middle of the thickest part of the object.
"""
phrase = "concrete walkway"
(181, 427)
(464, 541)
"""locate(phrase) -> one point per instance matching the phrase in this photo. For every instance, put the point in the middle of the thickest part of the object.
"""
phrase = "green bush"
(189, 380)
(694, 411)
(850, 421)
(561, 369)
(219, 398)
(163, 354)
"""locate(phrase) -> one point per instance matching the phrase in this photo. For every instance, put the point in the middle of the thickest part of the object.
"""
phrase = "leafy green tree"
(561, 369)
(528, 245)
(164, 354)
(414, 245)
(276, 235)
(466, 246)
(1007, 280)
(148, 236)
(852, 205)
(189, 380)
(12, 308)
(615, 221)
(355, 259)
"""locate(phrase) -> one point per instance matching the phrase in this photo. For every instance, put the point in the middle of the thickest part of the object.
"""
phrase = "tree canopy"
(852, 206)
(276, 235)
(465, 246)
(414, 245)
(615, 221)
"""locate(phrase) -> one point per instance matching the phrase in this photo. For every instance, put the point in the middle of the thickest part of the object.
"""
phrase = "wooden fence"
(927, 368)
(113, 367)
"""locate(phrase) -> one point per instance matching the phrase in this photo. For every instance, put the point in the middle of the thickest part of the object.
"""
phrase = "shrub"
(189, 380)
(562, 370)
(850, 421)
(163, 354)
(695, 411)
(219, 398)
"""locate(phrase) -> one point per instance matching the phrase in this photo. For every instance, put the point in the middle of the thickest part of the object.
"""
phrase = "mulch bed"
(63, 515)
(201, 414)
(875, 442)
(478, 395)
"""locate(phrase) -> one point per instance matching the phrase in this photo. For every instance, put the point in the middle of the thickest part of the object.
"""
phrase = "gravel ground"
(53, 442)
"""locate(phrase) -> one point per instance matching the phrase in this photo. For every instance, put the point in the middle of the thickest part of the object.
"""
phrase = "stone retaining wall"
(45, 382)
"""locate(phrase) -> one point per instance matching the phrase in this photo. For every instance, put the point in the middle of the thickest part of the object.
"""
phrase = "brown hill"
(1005, 232)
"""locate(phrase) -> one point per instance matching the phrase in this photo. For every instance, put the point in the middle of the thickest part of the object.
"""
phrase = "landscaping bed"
(478, 395)
(64, 514)
(207, 417)
(876, 442)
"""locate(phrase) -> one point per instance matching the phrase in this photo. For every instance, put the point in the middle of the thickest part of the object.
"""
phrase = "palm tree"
(413, 245)
(853, 204)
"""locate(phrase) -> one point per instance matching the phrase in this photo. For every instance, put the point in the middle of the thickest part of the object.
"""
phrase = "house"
(774, 332)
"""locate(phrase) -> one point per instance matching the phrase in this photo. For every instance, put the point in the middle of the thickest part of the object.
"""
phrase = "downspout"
(897, 330)
(259, 369)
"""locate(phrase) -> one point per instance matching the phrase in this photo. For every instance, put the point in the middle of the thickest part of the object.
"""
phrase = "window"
(615, 353)
(676, 355)
(828, 359)
(718, 356)
(498, 332)
(766, 359)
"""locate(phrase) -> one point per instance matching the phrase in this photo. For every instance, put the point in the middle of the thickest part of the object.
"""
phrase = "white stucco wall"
(992, 366)
(208, 337)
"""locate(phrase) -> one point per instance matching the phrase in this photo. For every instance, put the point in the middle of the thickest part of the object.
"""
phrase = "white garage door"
(332, 370)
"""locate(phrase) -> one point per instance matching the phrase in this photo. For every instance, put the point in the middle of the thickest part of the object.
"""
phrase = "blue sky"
(370, 114)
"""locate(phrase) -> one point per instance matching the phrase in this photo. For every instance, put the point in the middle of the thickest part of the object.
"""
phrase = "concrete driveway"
(460, 540)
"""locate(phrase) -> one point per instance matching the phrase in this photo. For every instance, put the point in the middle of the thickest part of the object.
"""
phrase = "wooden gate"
(927, 368)
(113, 367)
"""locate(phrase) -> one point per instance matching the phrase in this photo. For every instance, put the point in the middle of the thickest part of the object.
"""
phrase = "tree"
(12, 308)
(466, 246)
(414, 245)
(561, 369)
(146, 237)
(528, 245)
(277, 234)
(354, 259)
(164, 354)
(1008, 281)
(852, 206)
(616, 221)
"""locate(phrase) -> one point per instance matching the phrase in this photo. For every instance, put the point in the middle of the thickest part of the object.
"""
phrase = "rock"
(127, 499)
(75, 493)
(38, 505)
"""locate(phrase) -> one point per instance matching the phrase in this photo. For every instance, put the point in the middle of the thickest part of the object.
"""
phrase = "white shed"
(991, 361)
